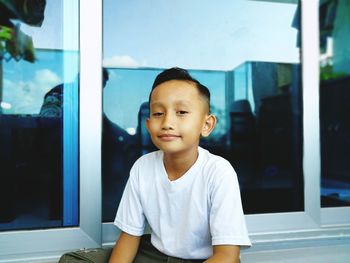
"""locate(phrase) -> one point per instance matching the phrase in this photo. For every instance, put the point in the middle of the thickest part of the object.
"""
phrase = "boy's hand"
(125, 249)
(225, 254)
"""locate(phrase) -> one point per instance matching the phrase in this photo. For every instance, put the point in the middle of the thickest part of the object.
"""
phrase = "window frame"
(20, 246)
(311, 227)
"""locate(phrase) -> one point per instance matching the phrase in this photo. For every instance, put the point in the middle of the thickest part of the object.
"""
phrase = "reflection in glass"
(38, 117)
(258, 131)
(334, 102)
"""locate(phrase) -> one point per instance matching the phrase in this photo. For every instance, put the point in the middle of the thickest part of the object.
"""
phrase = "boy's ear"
(147, 124)
(209, 125)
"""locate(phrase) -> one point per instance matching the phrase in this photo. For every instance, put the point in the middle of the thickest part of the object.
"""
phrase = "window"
(267, 72)
(252, 70)
(334, 102)
(41, 136)
(39, 121)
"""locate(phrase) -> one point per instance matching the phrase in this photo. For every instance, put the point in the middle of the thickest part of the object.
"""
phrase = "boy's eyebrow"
(177, 103)
(153, 104)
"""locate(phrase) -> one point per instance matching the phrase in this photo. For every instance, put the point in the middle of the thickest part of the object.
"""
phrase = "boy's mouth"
(168, 137)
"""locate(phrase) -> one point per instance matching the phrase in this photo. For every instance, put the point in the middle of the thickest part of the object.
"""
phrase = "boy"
(189, 197)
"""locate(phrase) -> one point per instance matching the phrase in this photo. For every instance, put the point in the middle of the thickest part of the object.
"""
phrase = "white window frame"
(315, 225)
(36, 245)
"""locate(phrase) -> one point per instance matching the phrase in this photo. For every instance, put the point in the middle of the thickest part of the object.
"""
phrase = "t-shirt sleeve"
(227, 222)
(130, 217)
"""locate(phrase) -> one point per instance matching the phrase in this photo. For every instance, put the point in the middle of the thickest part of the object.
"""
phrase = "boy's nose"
(167, 122)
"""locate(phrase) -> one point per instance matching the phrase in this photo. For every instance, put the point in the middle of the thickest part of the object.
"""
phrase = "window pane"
(250, 64)
(39, 115)
(334, 102)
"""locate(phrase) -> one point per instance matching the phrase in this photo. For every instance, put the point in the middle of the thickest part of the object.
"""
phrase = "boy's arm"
(125, 249)
(225, 254)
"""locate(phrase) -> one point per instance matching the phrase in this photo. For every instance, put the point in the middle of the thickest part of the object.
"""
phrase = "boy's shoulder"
(150, 156)
(213, 160)
(148, 159)
(215, 168)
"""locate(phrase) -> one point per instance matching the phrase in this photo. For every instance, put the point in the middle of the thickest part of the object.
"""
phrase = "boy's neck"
(176, 165)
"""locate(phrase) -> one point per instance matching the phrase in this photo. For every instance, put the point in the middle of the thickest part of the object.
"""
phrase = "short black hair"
(176, 73)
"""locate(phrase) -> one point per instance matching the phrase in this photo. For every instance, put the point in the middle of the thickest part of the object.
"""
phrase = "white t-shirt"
(186, 216)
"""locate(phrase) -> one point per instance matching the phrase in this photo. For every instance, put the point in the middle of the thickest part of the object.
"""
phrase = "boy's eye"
(181, 112)
(157, 114)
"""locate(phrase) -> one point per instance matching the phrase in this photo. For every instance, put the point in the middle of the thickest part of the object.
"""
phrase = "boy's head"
(179, 112)
(181, 74)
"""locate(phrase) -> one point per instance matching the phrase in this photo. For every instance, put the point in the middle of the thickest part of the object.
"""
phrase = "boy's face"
(178, 117)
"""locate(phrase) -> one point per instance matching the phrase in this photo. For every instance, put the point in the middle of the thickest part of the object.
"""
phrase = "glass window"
(38, 115)
(334, 102)
(251, 65)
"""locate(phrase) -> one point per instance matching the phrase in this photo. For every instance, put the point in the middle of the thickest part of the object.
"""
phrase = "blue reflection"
(258, 107)
(39, 142)
(70, 154)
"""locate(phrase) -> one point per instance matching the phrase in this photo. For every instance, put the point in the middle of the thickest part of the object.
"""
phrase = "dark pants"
(147, 253)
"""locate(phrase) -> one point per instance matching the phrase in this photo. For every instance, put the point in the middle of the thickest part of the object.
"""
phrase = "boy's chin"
(174, 150)
(169, 149)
